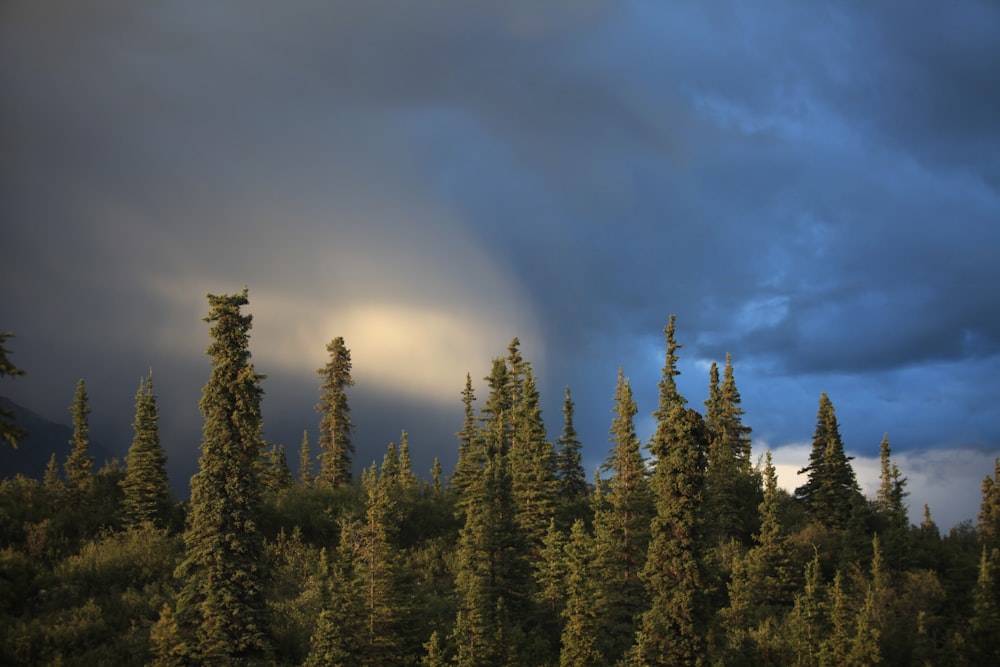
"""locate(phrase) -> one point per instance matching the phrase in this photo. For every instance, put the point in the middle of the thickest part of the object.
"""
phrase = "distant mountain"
(34, 450)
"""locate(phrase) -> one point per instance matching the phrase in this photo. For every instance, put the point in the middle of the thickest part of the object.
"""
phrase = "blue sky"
(814, 188)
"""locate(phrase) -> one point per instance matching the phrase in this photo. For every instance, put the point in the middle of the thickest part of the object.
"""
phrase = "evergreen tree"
(9, 431)
(622, 530)
(891, 508)
(806, 625)
(221, 607)
(145, 486)
(582, 624)
(831, 488)
(732, 490)
(838, 644)
(79, 464)
(984, 625)
(572, 479)
(335, 426)
(533, 466)
(374, 563)
(51, 478)
(306, 475)
(988, 523)
(470, 456)
(436, 486)
(276, 475)
(673, 629)
(407, 479)
(865, 646)
(493, 581)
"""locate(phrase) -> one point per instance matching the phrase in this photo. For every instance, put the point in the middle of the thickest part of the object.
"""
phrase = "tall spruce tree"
(533, 466)
(493, 583)
(79, 464)
(572, 478)
(732, 487)
(470, 455)
(673, 628)
(890, 507)
(145, 486)
(221, 608)
(621, 530)
(335, 426)
(831, 490)
(306, 475)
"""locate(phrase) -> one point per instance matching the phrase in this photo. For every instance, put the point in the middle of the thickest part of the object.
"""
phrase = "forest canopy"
(681, 550)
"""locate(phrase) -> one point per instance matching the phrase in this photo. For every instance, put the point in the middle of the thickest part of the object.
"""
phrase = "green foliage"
(145, 486)
(572, 479)
(335, 426)
(221, 606)
(79, 464)
(831, 489)
(9, 431)
(622, 516)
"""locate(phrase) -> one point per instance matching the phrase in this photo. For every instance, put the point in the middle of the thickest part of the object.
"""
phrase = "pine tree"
(891, 508)
(51, 478)
(470, 456)
(582, 625)
(335, 426)
(221, 605)
(865, 645)
(572, 479)
(374, 563)
(145, 486)
(732, 490)
(407, 479)
(763, 584)
(9, 431)
(306, 475)
(984, 625)
(673, 628)
(988, 521)
(493, 581)
(837, 646)
(806, 625)
(831, 488)
(533, 466)
(79, 464)
(436, 486)
(276, 476)
(621, 530)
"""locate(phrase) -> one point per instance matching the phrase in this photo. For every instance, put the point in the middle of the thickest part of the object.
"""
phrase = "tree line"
(679, 551)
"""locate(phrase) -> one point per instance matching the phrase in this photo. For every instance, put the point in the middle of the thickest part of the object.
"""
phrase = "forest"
(679, 551)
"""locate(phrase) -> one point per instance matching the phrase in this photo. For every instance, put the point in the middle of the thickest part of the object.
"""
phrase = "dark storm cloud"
(814, 189)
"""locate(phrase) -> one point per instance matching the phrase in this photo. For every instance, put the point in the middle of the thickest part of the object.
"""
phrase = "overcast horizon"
(812, 188)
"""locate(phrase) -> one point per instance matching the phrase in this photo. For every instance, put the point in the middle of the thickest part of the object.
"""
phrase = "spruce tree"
(533, 466)
(407, 478)
(493, 580)
(470, 456)
(572, 479)
(145, 486)
(79, 464)
(582, 624)
(984, 625)
(306, 475)
(673, 628)
(221, 607)
(335, 426)
(621, 530)
(732, 491)
(831, 488)
(988, 520)
(891, 508)
(9, 431)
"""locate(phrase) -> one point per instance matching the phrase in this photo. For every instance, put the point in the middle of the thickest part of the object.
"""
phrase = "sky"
(811, 187)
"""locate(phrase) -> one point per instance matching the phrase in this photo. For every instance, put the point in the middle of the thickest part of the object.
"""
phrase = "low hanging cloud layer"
(813, 189)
